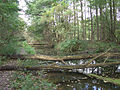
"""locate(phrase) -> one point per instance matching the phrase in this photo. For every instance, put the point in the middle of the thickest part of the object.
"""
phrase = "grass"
(106, 79)
(28, 63)
(28, 81)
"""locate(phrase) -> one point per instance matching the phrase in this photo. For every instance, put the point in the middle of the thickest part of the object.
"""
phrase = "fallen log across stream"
(59, 58)
(63, 67)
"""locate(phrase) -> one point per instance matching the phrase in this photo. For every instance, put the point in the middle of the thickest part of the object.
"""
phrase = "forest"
(62, 45)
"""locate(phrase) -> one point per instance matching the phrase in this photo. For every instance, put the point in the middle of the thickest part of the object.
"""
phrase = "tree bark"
(82, 66)
(101, 23)
(82, 20)
(60, 58)
(97, 21)
(114, 14)
(92, 32)
(112, 31)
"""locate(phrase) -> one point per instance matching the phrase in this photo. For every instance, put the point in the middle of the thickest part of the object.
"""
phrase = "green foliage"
(28, 48)
(15, 48)
(103, 46)
(117, 33)
(43, 15)
(10, 26)
(72, 45)
(27, 81)
(86, 46)
(9, 49)
(28, 63)
(111, 80)
(58, 17)
(2, 60)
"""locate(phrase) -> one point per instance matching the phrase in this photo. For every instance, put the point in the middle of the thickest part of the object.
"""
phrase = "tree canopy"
(82, 19)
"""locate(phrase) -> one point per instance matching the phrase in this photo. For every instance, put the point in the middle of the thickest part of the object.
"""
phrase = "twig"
(64, 62)
(106, 58)
(97, 56)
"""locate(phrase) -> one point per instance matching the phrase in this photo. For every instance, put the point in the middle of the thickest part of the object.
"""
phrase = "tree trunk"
(65, 67)
(78, 32)
(97, 21)
(92, 33)
(85, 23)
(74, 28)
(101, 24)
(82, 20)
(112, 31)
(111, 19)
(60, 58)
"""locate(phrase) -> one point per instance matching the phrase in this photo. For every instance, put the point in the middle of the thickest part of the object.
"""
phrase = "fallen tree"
(59, 58)
(71, 57)
(105, 79)
(69, 67)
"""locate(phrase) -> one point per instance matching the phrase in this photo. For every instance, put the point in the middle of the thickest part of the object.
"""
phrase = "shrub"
(72, 45)
(9, 49)
(103, 46)
(28, 48)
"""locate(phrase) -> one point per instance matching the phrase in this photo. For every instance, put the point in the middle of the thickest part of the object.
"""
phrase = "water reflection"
(76, 81)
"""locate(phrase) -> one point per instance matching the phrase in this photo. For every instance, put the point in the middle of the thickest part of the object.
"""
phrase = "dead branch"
(97, 57)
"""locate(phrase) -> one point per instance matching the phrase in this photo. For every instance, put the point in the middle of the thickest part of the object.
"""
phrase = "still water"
(77, 81)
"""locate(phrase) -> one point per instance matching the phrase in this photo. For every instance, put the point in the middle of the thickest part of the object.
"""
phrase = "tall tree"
(10, 26)
(91, 16)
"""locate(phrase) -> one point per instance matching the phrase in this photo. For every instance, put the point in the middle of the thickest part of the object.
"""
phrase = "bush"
(15, 47)
(72, 45)
(9, 49)
(28, 48)
(103, 46)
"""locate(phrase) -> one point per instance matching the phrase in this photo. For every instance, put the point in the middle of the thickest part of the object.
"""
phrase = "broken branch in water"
(97, 56)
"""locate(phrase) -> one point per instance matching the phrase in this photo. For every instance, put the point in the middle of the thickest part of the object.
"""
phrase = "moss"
(111, 80)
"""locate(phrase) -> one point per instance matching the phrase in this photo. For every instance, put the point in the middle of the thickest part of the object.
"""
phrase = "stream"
(78, 81)
(74, 79)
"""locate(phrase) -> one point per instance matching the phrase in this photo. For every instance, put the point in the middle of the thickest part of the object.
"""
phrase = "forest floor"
(5, 80)
(6, 76)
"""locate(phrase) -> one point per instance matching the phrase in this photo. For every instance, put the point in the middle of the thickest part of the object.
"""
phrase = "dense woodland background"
(59, 21)
(81, 19)
(58, 31)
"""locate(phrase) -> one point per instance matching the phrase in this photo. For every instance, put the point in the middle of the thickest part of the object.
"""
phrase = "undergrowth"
(28, 63)
(73, 45)
(28, 48)
(10, 48)
(28, 81)
(14, 47)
